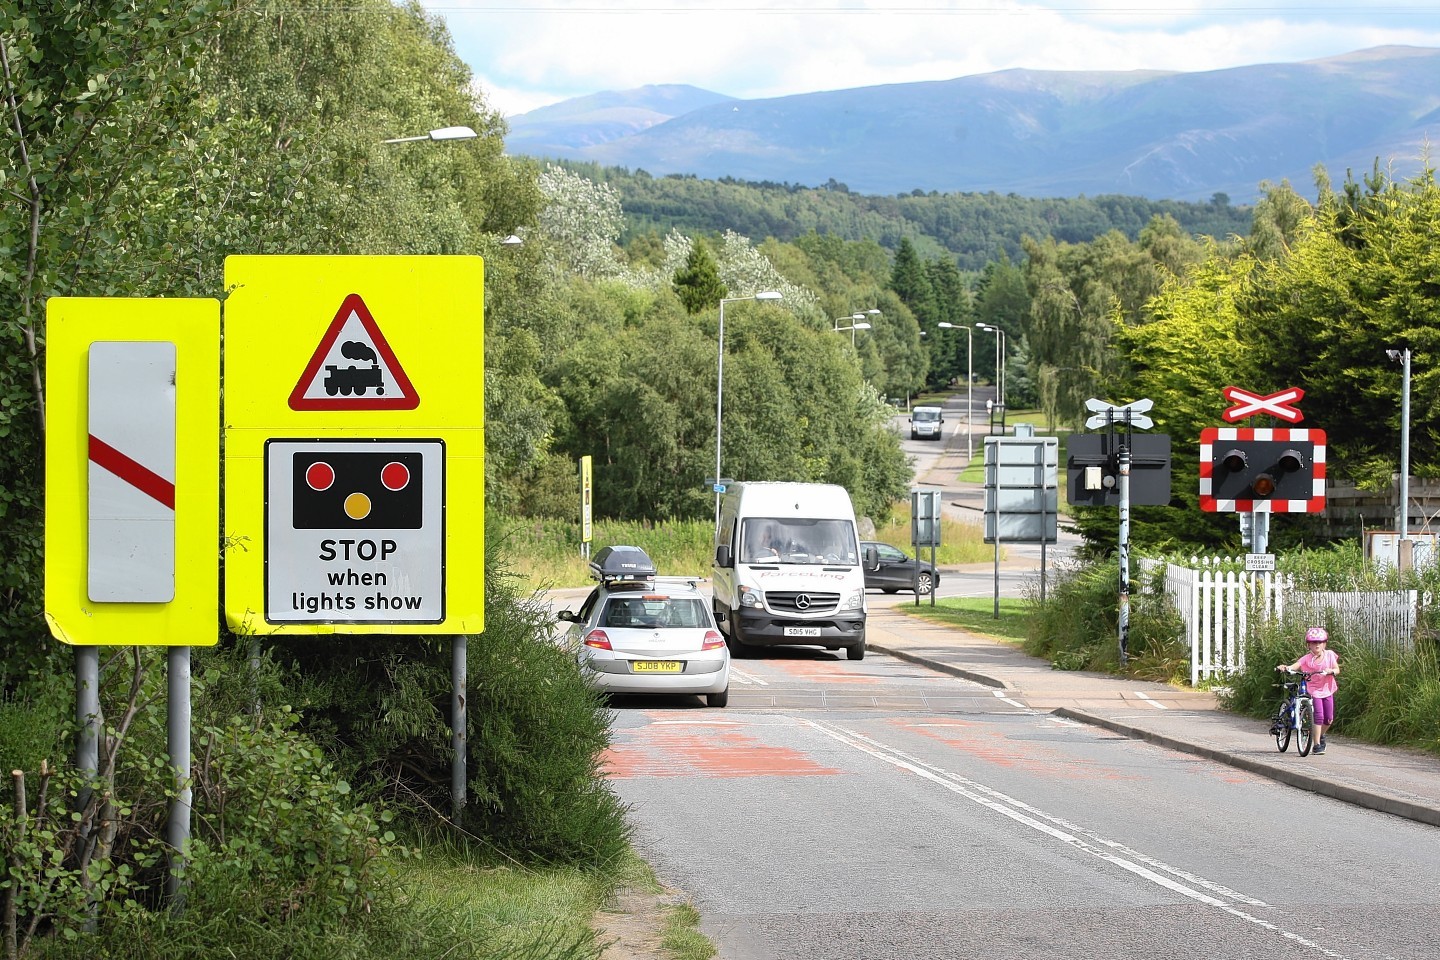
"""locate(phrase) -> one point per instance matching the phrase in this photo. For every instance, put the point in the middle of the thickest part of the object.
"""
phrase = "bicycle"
(1296, 716)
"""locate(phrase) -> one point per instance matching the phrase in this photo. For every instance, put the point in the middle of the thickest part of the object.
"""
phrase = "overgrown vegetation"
(1077, 627)
(311, 767)
(1389, 689)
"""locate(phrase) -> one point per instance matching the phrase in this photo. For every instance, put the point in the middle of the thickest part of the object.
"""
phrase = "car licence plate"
(656, 666)
(802, 631)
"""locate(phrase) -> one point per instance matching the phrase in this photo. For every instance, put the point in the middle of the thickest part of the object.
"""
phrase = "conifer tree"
(698, 283)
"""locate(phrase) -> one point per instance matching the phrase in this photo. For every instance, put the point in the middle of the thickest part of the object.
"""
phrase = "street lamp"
(857, 322)
(444, 133)
(999, 357)
(720, 385)
(458, 654)
(1403, 358)
(969, 386)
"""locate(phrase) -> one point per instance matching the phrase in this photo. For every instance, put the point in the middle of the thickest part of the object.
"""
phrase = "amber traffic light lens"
(1264, 485)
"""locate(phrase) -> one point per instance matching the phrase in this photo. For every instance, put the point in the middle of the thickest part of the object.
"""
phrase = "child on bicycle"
(1324, 665)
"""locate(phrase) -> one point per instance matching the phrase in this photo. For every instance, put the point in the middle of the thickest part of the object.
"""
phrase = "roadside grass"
(683, 938)
(976, 615)
(514, 911)
(546, 553)
(546, 913)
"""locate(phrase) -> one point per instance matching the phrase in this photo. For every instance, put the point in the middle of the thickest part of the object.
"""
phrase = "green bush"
(536, 730)
(1078, 625)
(536, 788)
(275, 832)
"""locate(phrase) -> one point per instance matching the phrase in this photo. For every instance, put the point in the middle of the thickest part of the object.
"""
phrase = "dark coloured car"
(895, 570)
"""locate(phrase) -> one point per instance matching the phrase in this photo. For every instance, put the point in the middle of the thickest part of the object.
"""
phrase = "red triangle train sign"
(353, 368)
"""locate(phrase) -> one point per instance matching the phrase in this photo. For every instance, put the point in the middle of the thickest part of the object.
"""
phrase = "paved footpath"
(1396, 781)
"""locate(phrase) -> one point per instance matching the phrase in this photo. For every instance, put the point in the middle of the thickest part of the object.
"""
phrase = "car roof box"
(619, 563)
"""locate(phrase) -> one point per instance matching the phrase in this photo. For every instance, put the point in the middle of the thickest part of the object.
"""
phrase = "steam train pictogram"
(355, 379)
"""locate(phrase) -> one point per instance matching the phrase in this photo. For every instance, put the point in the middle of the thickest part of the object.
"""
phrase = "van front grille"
(802, 602)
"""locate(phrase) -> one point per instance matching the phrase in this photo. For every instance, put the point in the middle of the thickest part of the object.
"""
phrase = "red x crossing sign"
(1248, 404)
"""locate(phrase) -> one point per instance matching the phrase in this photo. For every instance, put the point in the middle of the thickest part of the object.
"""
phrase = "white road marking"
(744, 677)
(1001, 695)
(1150, 700)
(1078, 838)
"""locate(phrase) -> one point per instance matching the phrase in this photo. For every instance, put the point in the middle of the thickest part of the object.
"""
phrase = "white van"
(926, 423)
(788, 568)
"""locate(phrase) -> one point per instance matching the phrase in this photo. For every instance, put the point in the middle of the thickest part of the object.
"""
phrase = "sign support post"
(177, 729)
(459, 726)
(1132, 415)
(1124, 551)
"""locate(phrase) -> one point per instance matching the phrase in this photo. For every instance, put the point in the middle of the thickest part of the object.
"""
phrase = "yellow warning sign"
(132, 471)
(354, 445)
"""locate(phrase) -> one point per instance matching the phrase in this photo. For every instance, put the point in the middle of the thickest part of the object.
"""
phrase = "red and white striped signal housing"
(1244, 469)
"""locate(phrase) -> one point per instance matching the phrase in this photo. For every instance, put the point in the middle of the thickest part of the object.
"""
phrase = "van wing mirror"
(722, 556)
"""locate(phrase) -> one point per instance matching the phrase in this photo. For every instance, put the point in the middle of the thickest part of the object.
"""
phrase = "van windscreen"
(790, 540)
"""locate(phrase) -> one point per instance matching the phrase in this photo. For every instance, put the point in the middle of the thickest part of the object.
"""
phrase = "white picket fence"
(1217, 599)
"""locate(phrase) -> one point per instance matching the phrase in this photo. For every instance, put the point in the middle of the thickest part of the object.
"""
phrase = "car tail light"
(598, 639)
(712, 641)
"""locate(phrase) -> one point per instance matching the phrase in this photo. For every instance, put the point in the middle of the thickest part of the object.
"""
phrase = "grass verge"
(546, 553)
(976, 615)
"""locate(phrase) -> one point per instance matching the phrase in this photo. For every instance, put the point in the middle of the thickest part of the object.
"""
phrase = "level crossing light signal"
(1279, 471)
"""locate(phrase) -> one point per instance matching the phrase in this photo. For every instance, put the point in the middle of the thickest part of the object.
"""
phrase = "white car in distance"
(641, 634)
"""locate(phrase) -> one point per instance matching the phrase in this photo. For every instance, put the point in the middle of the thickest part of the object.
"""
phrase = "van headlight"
(751, 597)
(854, 600)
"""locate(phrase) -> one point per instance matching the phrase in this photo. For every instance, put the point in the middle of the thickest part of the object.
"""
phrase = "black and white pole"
(1124, 549)
(1131, 415)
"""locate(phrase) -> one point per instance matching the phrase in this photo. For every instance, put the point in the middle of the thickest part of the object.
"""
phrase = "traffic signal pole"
(1124, 544)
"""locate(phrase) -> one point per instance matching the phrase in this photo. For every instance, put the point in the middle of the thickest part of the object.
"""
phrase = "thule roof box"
(622, 565)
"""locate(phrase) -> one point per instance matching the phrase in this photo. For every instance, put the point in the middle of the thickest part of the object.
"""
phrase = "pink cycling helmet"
(1316, 635)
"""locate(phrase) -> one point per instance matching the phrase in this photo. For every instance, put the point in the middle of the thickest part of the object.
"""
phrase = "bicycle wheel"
(1283, 726)
(1305, 726)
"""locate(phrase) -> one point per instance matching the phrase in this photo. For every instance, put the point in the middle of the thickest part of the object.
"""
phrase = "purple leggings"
(1324, 710)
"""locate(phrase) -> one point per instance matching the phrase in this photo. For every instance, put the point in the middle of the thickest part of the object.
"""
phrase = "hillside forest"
(141, 151)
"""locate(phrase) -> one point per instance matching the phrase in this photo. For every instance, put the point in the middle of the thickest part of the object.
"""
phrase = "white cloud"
(526, 53)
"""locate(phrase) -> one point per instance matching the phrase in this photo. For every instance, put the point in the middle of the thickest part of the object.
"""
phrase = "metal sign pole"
(177, 829)
(1124, 549)
(459, 725)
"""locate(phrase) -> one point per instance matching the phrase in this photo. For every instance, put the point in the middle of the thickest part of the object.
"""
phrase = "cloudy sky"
(528, 53)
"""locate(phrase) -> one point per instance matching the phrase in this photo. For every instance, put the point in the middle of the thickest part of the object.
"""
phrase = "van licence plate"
(656, 666)
(802, 631)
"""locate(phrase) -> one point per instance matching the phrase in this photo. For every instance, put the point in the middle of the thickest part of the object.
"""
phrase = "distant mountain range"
(1035, 133)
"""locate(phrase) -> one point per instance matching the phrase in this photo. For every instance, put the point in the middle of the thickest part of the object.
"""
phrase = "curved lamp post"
(999, 357)
(458, 655)
(969, 386)
(1403, 358)
(720, 386)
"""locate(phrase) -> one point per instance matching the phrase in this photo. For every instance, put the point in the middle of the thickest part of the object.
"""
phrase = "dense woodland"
(147, 139)
(973, 228)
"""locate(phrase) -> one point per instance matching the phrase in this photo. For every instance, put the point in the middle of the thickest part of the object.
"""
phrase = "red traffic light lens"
(1234, 461)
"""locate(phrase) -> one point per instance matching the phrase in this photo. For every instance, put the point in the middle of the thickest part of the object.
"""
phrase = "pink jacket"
(1320, 686)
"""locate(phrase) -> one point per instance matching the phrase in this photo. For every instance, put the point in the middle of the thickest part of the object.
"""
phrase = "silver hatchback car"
(650, 635)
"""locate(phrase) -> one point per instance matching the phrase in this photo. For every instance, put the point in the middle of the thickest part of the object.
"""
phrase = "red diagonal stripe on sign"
(138, 475)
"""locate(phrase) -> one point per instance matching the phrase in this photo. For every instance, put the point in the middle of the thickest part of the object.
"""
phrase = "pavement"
(1391, 780)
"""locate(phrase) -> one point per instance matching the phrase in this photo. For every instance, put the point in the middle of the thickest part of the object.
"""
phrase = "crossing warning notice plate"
(354, 445)
(354, 531)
